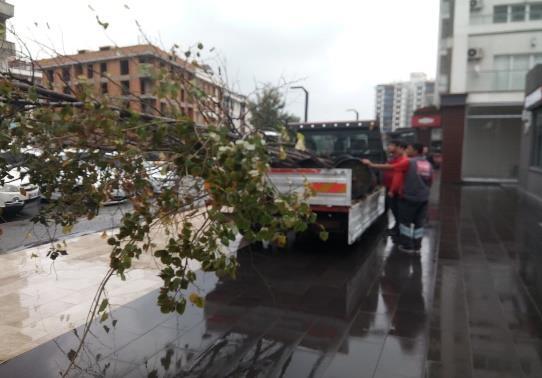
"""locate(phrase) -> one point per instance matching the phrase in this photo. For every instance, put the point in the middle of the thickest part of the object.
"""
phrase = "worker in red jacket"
(394, 171)
(411, 188)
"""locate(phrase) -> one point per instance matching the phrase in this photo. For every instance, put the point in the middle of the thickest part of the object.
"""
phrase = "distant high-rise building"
(7, 49)
(396, 102)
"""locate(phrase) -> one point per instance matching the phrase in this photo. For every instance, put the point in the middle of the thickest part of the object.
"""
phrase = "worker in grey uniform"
(414, 201)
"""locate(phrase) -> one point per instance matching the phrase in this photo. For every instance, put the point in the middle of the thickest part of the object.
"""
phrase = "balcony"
(508, 16)
(7, 49)
(6, 10)
(496, 81)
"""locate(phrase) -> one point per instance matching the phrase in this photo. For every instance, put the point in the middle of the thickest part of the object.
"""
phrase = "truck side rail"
(331, 187)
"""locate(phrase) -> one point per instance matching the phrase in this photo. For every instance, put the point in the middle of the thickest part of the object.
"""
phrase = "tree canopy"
(86, 147)
(267, 110)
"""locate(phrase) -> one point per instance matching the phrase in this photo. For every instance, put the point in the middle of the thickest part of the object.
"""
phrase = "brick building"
(124, 74)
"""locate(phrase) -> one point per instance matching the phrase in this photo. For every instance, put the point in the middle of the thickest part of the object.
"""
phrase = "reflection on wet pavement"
(486, 319)
(322, 310)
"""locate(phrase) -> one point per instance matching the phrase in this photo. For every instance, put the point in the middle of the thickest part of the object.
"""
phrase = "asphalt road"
(19, 232)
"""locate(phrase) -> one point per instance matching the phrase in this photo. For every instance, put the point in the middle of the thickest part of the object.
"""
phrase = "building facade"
(223, 103)
(24, 70)
(126, 75)
(7, 49)
(485, 49)
(530, 172)
(396, 102)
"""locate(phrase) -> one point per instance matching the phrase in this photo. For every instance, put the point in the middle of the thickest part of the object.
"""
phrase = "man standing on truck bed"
(394, 171)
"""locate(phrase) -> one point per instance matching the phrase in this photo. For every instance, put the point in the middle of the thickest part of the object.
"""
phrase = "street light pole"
(355, 111)
(306, 101)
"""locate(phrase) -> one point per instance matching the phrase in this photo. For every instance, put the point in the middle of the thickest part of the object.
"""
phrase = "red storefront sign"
(426, 120)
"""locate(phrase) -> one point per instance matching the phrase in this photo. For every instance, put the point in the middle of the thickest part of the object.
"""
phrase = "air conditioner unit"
(475, 54)
(476, 4)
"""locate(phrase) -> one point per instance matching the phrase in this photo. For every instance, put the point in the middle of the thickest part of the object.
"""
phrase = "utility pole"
(306, 100)
(355, 111)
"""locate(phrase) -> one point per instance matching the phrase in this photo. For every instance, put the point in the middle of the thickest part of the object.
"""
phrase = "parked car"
(116, 194)
(159, 176)
(17, 191)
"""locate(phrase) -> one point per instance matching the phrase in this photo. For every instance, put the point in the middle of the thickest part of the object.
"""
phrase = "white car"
(115, 194)
(159, 177)
(16, 192)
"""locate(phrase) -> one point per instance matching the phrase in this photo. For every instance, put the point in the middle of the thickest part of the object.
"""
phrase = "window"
(536, 160)
(535, 11)
(66, 74)
(78, 70)
(125, 85)
(104, 88)
(66, 90)
(90, 71)
(145, 86)
(51, 76)
(103, 68)
(510, 70)
(147, 106)
(500, 14)
(517, 12)
(337, 143)
(124, 67)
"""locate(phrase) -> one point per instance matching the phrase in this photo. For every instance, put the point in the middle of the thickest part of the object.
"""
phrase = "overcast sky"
(339, 50)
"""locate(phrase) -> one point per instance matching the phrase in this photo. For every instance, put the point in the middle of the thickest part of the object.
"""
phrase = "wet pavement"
(19, 232)
(468, 307)
(486, 319)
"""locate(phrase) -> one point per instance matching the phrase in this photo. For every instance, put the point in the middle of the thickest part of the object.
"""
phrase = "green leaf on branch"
(197, 300)
(103, 24)
(324, 235)
(103, 305)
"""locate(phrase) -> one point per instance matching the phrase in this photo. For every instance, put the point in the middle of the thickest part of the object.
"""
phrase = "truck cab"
(360, 139)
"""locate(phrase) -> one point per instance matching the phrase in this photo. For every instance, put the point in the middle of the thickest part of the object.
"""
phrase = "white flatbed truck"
(332, 201)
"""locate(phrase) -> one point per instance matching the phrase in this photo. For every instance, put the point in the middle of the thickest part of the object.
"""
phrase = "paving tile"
(145, 346)
(301, 363)
(530, 357)
(357, 359)
(370, 327)
(401, 357)
(447, 370)
(450, 348)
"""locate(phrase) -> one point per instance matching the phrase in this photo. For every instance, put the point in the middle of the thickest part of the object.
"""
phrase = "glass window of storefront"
(537, 139)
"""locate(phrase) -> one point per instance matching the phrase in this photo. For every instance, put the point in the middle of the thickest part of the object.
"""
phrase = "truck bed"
(332, 188)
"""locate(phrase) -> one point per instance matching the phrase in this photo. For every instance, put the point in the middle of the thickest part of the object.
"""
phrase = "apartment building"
(222, 103)
(24, 70)
(396, 102)
(485, 49)
(7, 49)
(125, 74)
